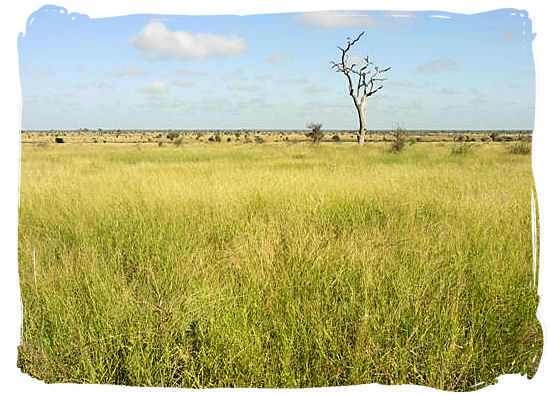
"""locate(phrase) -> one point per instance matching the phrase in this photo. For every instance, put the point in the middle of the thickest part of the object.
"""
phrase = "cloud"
(448, 91)
(252, 102)
(264, 77)
(155, 88)
(293, 81)
(315, 89)
(280, 58)
(404, 83)
(36, 70)
(214, 102)
(128, 71)
(334, 19)
(190, 73)
(436, 65)
(162, 103)
(105, 84)
(244, 86)
(183, 83)
(157, 41)
(238, 74)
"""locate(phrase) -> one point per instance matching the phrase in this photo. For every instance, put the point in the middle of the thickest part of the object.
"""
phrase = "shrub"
(520, 149)
(399, 136)
(336, 137)
(172, 136)
(178, 142)
(59, 140)
(461, 149)
(316, 135)
(258, 140)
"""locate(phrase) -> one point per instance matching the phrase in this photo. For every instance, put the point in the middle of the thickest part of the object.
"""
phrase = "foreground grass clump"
(276, 266)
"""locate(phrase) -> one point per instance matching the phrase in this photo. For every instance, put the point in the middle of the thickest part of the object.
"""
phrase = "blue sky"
(448, 71)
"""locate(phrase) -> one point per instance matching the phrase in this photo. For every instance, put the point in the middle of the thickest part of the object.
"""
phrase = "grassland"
(276, 265)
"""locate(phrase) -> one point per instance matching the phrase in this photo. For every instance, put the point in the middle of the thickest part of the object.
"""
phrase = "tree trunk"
(360, 107)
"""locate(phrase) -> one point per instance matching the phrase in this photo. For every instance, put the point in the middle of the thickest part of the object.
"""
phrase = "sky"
(273, 71)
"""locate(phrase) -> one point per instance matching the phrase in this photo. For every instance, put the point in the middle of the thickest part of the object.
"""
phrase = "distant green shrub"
(459, 138)
(59, 140)
(172, 136)
(461, 149)
(316, 135)
(520, 149)
(399, 136)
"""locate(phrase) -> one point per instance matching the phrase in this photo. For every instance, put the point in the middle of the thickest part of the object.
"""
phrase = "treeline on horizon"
(377, 131)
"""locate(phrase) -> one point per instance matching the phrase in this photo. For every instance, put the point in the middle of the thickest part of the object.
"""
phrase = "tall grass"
(262, 266)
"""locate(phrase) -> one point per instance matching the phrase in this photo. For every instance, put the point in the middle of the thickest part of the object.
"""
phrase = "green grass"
(276, 266)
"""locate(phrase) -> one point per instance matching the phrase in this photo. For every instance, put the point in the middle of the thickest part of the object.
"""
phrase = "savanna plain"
(272, 262)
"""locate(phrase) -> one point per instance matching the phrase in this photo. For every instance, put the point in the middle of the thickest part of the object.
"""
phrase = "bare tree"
(364, 80)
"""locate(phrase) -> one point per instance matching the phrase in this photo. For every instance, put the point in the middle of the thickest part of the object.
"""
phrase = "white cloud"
(155, 88)
(293, 81)
(280, 57)
(105, 84)
(264, 77)
(244, 86)
(128, 71)
(448, 91)
(157, 41)
(436, 65)
(335, 19)
(183, 83)
(190, 73)
(404, 83)
(315, 88)
(237, 74)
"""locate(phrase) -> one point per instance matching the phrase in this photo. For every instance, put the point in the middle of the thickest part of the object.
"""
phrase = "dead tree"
(364, 80)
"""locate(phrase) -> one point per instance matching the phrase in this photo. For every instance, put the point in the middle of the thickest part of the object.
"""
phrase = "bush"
(258, 140)
(316, 135)
(178, 142)
(520, 149)
(461, 149)
(399, 138)
(172, 136)
(336, 137)
(59, 140)
(459, 138)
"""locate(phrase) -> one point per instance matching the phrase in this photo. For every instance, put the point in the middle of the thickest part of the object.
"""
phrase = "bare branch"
(364, 80)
